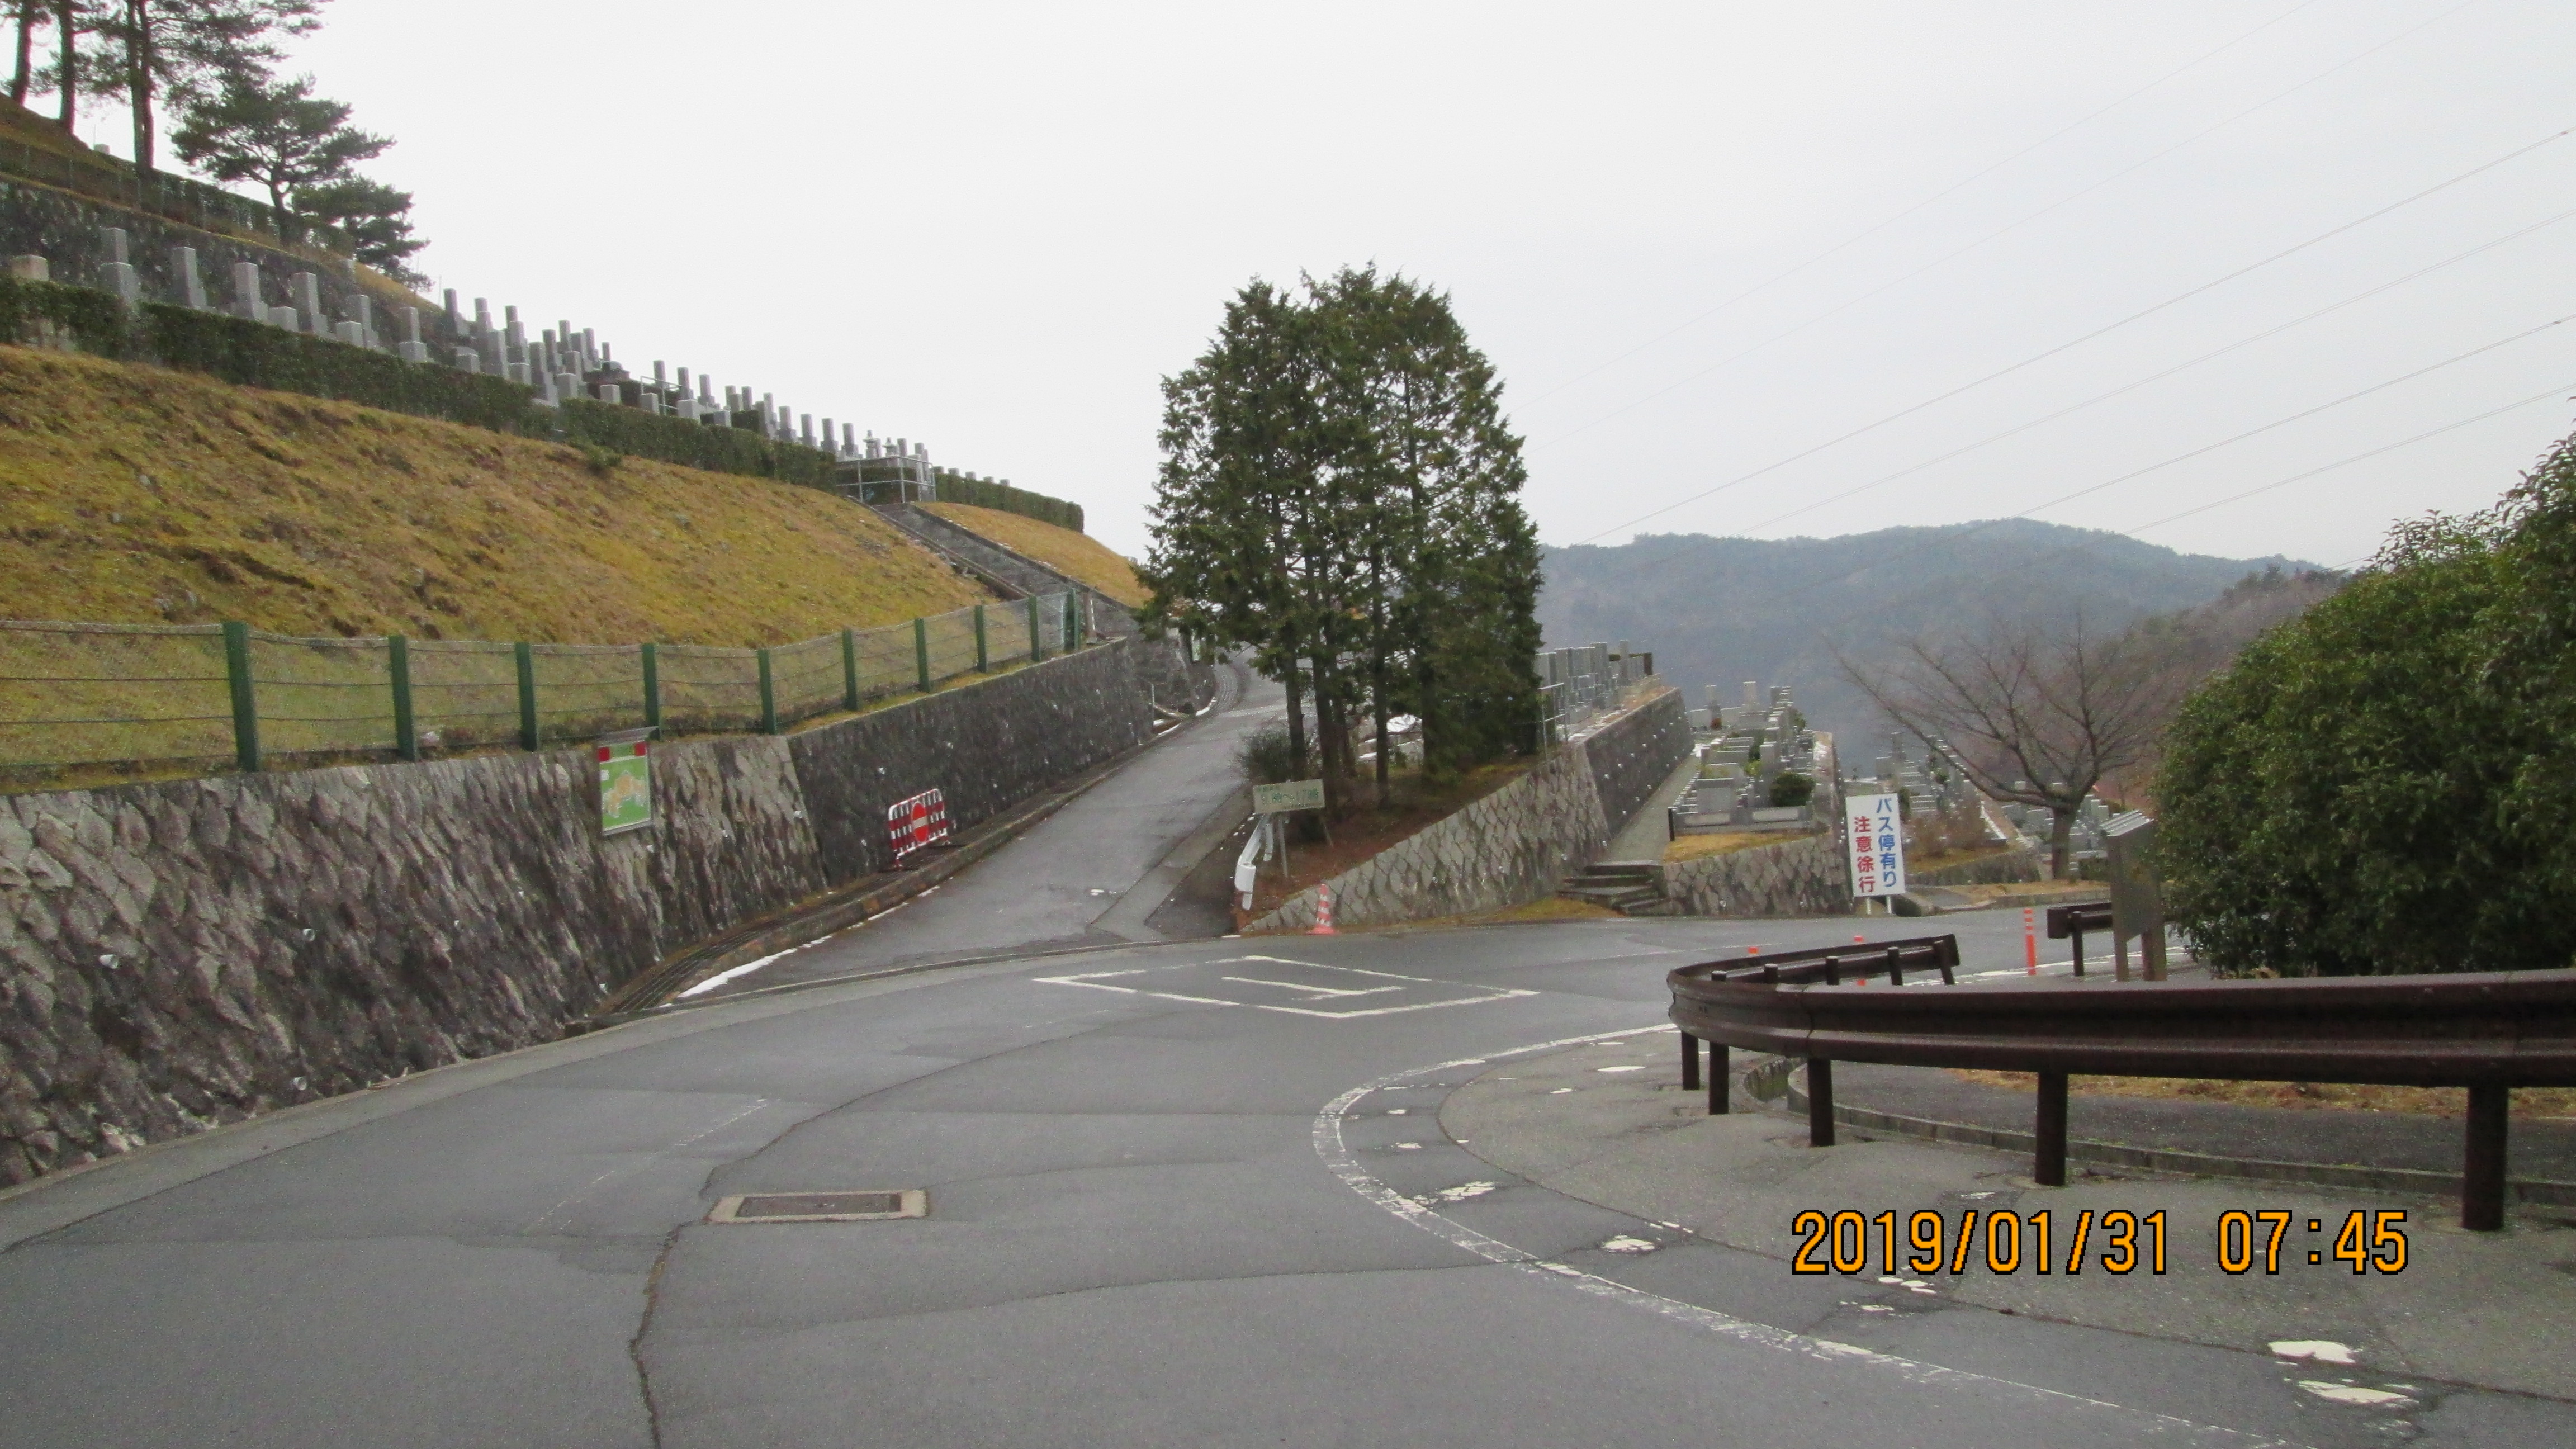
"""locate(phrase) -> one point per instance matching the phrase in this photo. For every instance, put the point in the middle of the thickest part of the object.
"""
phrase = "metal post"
(921, 651)
(528, 739)
(406, 730)
(2048, 1156)
(1895, 966)
(245, 697)
(849, 669)
(2482, 1176)
(1717, 1076)
(983, 652)
(1690, 1062)
(1037, 641)
(1820, 1102)
(768, 696)
(652, 686)
(1072, 621)
(2076, 933)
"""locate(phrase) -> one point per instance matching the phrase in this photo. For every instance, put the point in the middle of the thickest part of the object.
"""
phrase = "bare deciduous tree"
(2033, 715)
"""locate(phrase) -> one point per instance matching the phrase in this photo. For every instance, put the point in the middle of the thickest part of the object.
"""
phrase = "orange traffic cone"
(1323, 911)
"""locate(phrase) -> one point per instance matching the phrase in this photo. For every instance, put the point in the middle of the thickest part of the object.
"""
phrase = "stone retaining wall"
(1517, 844)
(186, 953)
(1801, 876)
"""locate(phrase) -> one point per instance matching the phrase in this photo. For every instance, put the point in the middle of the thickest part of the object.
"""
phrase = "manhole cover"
(820, 1207)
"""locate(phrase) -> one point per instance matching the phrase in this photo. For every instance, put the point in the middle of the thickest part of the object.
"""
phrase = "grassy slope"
(134, 495)
(1076, 555)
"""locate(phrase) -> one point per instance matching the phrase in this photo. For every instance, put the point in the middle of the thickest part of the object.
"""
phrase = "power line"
(2008, 227)
(2098, 332)
(1974, 529)
(2130, 387)
(1858, 237)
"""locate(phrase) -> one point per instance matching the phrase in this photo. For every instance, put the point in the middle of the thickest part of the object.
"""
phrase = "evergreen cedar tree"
(1339, 486)
(2385, 783)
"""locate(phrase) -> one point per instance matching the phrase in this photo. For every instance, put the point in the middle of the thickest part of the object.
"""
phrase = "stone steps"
(1631, 888)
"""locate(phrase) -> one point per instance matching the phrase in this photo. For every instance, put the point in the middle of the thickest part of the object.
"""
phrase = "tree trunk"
(63, 16)
(1377, 705)
(24, 76)
(2061, 825)
(138, 81)
(1296, 716)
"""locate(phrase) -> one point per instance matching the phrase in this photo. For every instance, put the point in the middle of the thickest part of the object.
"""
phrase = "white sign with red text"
(1874, 843)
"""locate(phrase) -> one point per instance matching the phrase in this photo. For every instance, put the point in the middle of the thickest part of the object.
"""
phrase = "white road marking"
(2354, 1394)
(1346, 1165)
(1099, 981)
(2323, 1350)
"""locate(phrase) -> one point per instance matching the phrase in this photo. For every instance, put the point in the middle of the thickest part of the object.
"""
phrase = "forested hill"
(1722, 610)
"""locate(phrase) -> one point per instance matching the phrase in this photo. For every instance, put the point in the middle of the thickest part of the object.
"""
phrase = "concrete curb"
(1780, 1076)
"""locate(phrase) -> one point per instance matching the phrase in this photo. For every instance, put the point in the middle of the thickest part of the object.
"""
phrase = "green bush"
(2379, 785)
(254, 354)
(976, 493)
(1791, 788)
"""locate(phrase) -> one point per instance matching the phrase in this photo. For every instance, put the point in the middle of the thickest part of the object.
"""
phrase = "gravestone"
(411, 347)
(353, 333)
(30, 268)
(284, 317)
(185, 280)
(305, 290)
(609, 393)
(455, 321)
(248, 292)
(468, 360)
(567, 384)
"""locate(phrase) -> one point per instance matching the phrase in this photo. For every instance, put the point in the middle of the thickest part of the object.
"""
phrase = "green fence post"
(1037, 641)
(768, 696)
(921, 651)
(245, 698)
(849, 669)
(652, 686)
(527, 694)
(983, 653)
(406, 729)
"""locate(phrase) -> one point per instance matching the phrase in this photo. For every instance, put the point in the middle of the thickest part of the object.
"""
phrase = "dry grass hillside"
(136, 495)
(1076, 555)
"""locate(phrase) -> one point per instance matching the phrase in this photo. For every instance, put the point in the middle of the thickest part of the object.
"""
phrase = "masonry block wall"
(187, 953)
(1517, 844)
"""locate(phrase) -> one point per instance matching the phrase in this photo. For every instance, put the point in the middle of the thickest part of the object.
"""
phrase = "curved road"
(1178, 1194)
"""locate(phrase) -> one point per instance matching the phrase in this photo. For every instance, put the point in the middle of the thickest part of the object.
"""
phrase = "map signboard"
(625, 784)
(1874, 844)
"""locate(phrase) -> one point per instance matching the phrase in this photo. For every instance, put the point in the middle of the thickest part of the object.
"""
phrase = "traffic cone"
(2029, 941)
(1323, 911)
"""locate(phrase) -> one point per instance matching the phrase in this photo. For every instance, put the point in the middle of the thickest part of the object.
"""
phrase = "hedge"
(975, 492)
(254, 354)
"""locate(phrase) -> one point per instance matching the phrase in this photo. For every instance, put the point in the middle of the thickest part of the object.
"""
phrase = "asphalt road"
(1189, 1194)
(1162, 1211)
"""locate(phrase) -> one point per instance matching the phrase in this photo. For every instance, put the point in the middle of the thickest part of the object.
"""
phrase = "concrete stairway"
(1015, 575)
(1632, 888)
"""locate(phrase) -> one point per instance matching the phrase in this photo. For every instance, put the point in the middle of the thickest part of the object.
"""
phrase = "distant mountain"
(1723, 610)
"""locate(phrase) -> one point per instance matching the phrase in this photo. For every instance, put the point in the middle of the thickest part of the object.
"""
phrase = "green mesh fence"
(463, 693)
(587, 689)
(709, 690)
(322, 696)
(807, 678)
(79, 694)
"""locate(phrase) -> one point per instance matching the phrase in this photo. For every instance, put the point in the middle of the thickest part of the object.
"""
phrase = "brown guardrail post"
(1690, 1062)
(2048, 1155)
(2482, 1175)
(1895, 965)
(1820, 1102)
(1717, 1074)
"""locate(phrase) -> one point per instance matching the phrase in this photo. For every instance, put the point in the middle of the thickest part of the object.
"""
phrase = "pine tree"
(277, 133)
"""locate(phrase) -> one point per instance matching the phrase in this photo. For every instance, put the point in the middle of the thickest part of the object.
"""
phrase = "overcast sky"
(995, 228)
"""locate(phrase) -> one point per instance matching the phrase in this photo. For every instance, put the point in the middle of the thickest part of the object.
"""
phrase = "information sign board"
(1294, 795)
(1874, 843)
(625, 784)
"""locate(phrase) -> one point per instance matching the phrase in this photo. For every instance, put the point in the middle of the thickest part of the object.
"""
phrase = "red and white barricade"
(916, 823)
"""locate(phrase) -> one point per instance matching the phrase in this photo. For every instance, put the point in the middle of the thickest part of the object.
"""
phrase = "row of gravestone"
(559, 363)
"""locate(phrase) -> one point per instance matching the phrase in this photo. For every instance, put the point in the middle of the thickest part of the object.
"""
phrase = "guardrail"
(2486, 1031)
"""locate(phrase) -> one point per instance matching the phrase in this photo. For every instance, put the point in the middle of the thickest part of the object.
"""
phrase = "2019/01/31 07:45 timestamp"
(2118, 1241)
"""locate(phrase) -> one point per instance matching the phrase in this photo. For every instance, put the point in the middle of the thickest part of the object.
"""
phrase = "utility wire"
(2235, 346)
(1973, 530)
(1861, 236)
(2098, 332)
(2000, 231)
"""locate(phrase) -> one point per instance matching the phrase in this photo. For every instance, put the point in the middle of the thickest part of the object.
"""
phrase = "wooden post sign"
(625, 782)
